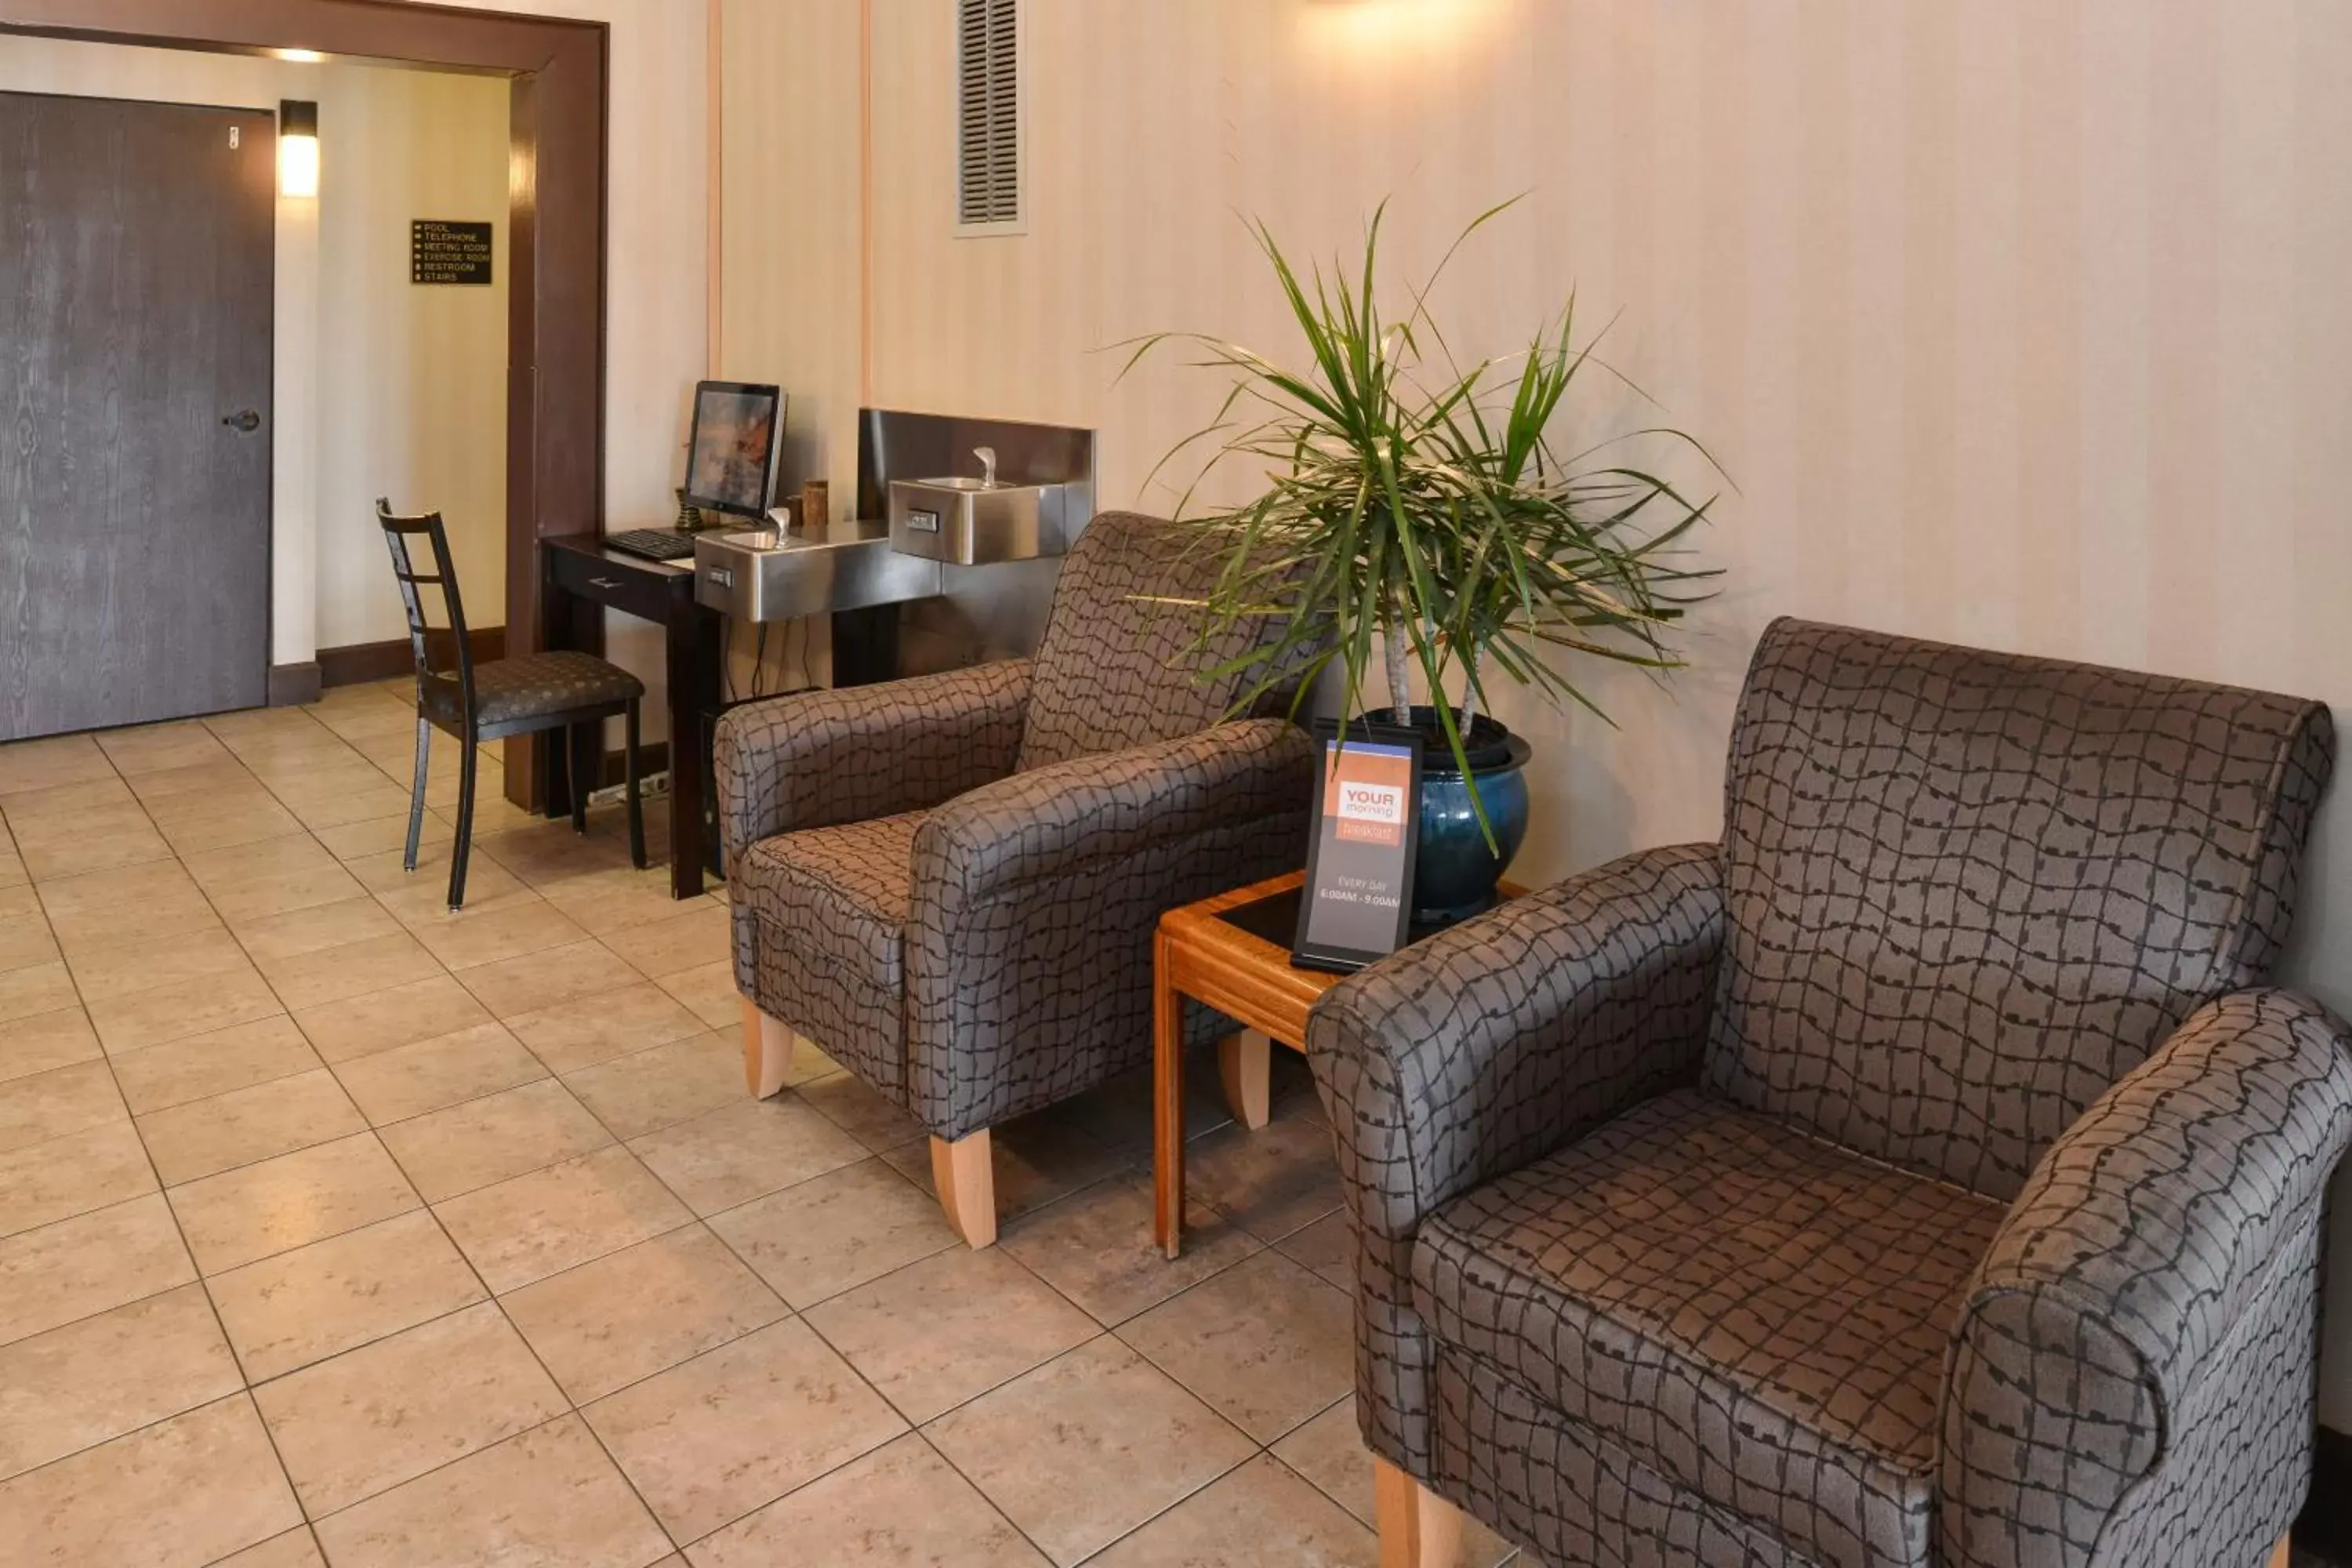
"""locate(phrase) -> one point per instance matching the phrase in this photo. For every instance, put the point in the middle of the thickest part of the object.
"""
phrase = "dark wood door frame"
(555, 352)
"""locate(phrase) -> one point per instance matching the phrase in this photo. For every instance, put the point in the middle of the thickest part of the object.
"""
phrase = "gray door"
(136, 256)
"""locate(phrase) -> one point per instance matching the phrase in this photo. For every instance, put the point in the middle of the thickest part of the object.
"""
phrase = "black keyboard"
(653, 543)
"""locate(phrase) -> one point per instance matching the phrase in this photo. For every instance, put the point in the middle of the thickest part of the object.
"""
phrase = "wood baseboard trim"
(2324, 1526)
(291, 684)
(358, 662)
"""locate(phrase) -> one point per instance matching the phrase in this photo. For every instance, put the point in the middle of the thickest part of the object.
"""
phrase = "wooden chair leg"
(768, 1045)
(1418, 1527)
(416, 793)
(966, 1181)
(629, 782)
(1246, 1064)
(465, 844)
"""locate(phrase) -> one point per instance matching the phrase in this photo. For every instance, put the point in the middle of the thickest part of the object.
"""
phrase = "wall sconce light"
(298, 148)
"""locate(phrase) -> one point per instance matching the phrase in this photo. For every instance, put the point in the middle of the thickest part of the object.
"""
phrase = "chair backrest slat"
(397, 531)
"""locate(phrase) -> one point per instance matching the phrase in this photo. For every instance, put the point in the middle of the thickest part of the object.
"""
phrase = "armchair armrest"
(1046, 821)
(1472, 1052)
(818, 758)
(1036, 899)
(2148, 1302)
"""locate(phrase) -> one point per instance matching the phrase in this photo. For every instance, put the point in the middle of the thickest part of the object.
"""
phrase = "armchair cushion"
(1489, 1046)
(842, 892)
(1759, 1315)
(1967, 890)
(1119, 665)
(1036, 899)
(820, 922)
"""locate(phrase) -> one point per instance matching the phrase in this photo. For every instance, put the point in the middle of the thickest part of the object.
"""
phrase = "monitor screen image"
(730, 464)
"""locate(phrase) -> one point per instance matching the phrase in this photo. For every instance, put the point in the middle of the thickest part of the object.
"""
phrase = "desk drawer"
(643, 591)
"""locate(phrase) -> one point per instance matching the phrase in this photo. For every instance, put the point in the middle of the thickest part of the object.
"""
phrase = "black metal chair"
(501, 697)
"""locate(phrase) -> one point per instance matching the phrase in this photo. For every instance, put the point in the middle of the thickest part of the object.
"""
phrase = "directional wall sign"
(441, 252)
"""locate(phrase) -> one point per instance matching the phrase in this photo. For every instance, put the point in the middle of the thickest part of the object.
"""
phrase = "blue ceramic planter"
(1454, 872)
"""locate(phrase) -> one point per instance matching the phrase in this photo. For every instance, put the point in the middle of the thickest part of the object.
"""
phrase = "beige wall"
(413, 400)
(449, 448)
(655, 288)
(2017, 323)
(381, 388)
(791, 293)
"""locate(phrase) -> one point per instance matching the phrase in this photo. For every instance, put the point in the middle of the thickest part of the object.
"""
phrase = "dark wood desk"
(581, 579)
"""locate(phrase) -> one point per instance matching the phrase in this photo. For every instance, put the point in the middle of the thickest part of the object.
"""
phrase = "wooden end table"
(1198, 953)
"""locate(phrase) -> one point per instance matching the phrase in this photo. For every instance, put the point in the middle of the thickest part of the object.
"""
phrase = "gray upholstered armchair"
(1923, 1175)
(951, 882)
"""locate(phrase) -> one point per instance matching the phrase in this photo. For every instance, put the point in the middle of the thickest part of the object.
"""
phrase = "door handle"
(604, 582)
(245, 420)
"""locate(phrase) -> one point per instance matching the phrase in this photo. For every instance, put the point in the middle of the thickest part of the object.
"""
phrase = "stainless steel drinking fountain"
(981, 522)
(970, 558)
(779, 574)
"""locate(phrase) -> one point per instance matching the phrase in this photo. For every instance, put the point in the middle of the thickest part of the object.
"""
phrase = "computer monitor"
(731, 461)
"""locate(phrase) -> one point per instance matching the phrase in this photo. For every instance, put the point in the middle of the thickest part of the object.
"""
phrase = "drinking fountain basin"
(976, 522)
(770, 575)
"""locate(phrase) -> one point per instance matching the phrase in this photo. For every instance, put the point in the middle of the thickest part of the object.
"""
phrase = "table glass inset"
(1275, 918)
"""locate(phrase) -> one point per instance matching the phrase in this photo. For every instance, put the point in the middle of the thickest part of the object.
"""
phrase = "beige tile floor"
(337, 1228)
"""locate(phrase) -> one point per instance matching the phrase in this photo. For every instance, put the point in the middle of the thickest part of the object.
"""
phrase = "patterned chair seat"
(531, 686)
(1759, 1315)
(831, 904)
(840, 894)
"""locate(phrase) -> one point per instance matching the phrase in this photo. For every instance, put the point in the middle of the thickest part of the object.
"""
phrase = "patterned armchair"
(951, 882)
(1923, 1175)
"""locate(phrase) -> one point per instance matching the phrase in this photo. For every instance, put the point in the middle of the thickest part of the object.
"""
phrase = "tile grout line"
(922, 1428)
(220, 1324)
(573, 1409)
(284, 1010)
(203, 1280)
(1264, 1449)
(1125, 1168)
(1214, 1414)
(288, 1011)
(163, 1194)
(800, 1314)
(248, 1386)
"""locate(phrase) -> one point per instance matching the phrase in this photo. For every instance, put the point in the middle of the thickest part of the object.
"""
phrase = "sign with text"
(441, 252)
(1358, 894)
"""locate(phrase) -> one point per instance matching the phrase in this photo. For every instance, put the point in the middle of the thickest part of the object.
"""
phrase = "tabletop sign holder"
(1357, 906)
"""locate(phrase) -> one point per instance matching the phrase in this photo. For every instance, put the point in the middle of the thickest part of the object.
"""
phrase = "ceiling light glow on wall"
(1397, 29)
(298, 148)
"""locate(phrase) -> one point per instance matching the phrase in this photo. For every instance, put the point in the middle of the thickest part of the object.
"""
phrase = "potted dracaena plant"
(1424, 505)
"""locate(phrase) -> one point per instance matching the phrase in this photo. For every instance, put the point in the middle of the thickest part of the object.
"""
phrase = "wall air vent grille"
(988, 113)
